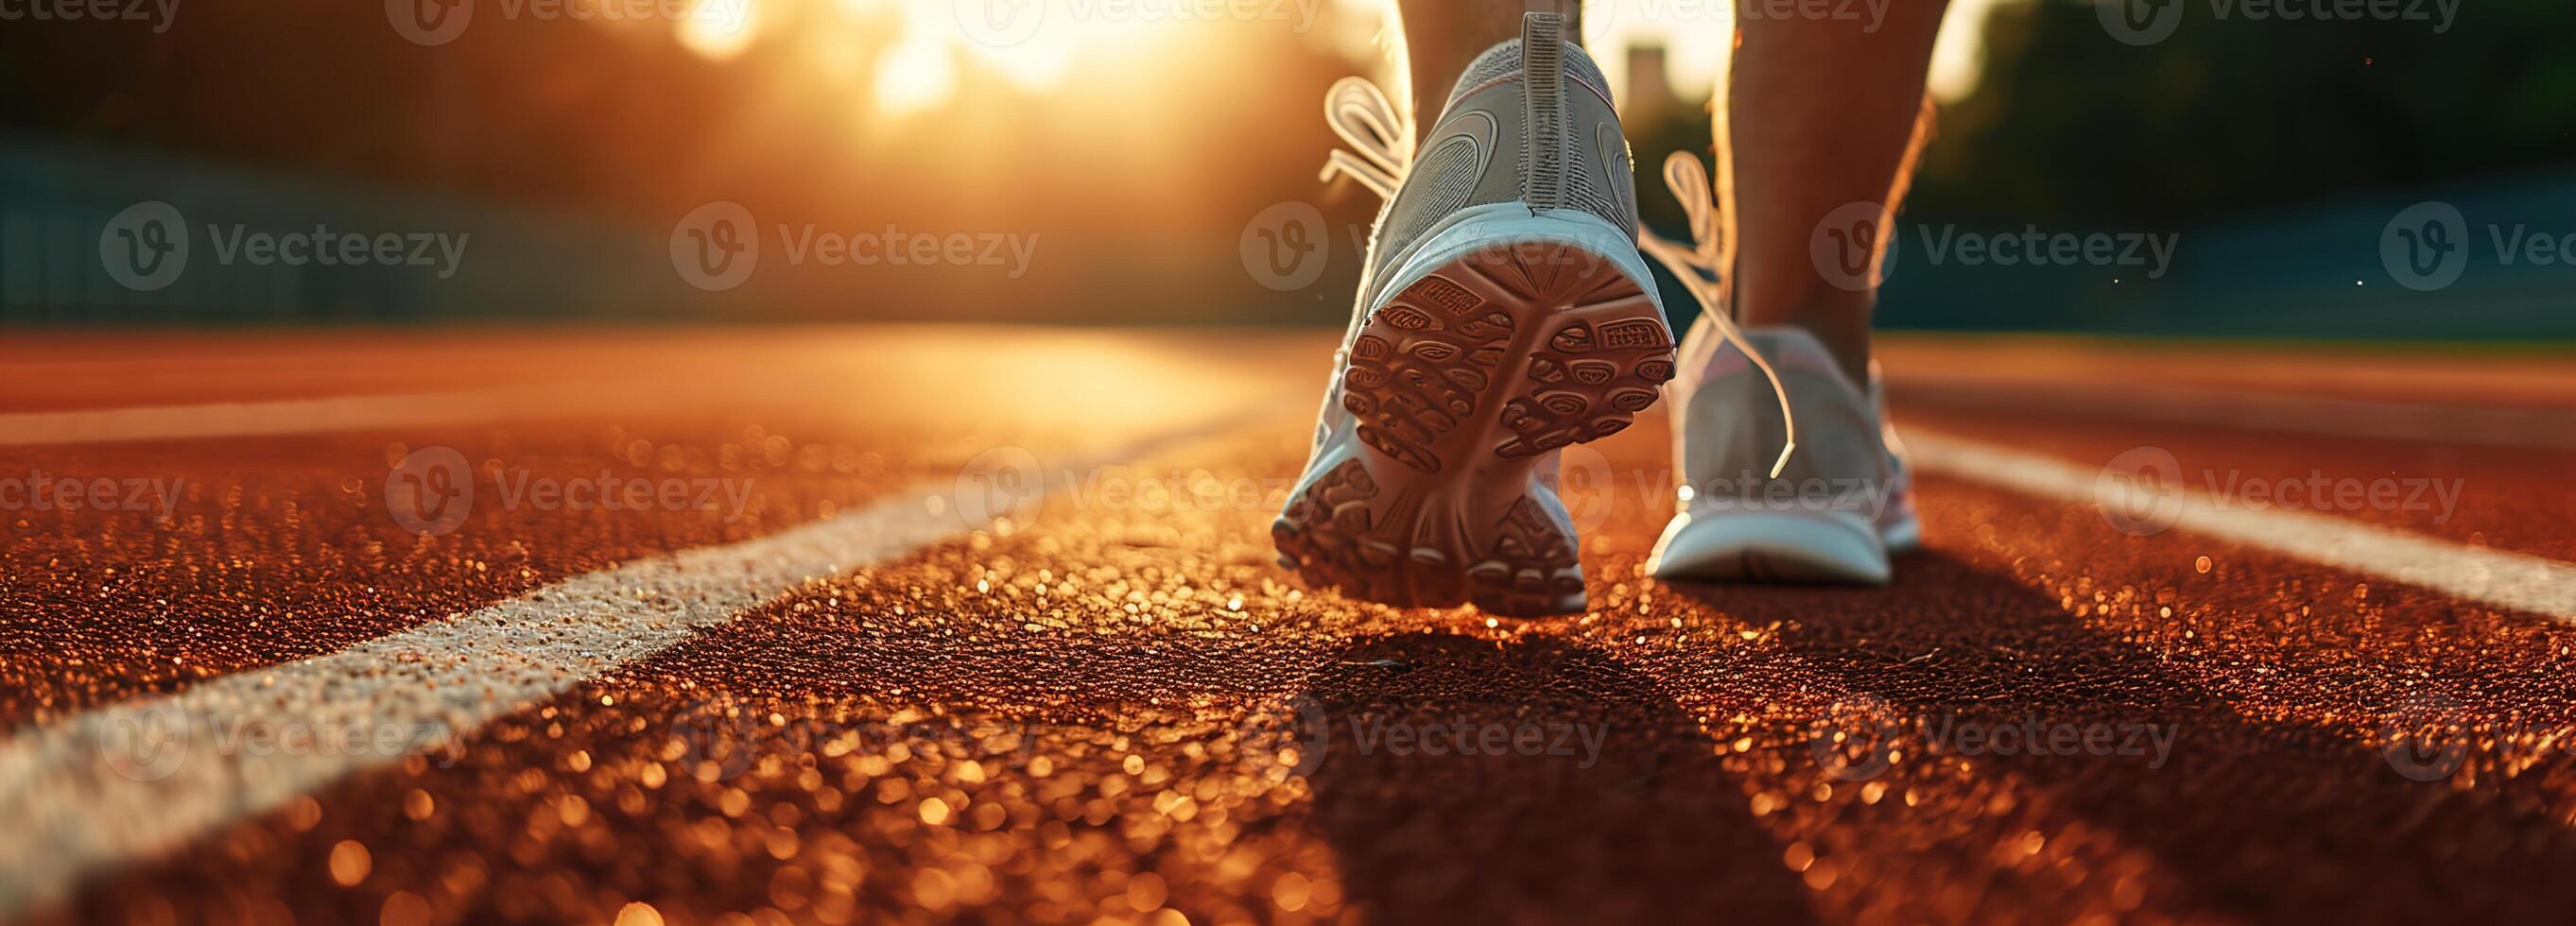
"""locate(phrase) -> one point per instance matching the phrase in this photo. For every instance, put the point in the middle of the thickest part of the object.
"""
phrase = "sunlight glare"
(719, 29)
(917, 74)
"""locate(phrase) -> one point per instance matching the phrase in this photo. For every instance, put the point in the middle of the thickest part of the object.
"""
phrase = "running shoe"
(1505, 313)
(1819, 491)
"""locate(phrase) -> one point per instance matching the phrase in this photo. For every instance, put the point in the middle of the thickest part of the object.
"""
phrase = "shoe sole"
(1462, 382)
(1799, 547)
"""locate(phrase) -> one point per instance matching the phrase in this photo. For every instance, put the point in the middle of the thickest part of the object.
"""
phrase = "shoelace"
(1697, 265)
(1382, 153)
(1360, 113)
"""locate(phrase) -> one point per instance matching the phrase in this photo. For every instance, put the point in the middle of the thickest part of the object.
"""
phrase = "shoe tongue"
(1794, 349)
(1504, 60)
(1790, 350)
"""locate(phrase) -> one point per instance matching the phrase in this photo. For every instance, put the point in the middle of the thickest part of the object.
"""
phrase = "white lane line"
(2500, 578)
(313, 416)
(2541, 428)
(106, 788)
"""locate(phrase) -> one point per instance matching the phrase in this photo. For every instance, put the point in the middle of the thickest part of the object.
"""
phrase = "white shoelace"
(1697, 265)
(1360, 113)
(1382, 153)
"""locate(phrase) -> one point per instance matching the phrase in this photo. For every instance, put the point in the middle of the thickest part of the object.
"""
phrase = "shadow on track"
(1594, 798)
(2278, 822)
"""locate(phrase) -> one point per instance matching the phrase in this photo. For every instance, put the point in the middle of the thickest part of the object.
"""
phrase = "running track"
(916, 624)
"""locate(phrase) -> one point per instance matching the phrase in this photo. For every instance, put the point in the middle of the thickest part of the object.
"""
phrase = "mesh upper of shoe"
(1592, 158)
(1467, 163)
(1504, 60)
(1726, 444)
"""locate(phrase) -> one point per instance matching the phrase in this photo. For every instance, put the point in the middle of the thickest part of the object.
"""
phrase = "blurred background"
(1110, 162)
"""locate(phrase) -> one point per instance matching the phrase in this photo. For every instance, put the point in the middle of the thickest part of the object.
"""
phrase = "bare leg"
(1441, 37)
(1821, 113)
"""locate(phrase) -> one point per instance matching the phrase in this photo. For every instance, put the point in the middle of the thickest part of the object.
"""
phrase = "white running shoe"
(1831, 515)
(1506, 312)
(1818, 490)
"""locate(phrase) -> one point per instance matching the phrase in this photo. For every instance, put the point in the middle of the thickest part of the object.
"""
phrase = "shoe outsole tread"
(1460, 384)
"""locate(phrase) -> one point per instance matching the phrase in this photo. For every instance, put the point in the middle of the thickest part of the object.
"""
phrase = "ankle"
(1844, 332)
(1443, 38)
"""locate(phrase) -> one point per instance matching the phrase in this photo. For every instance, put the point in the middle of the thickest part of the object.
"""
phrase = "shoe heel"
(1510, 351)
(1348, 531)
(1461, 383)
